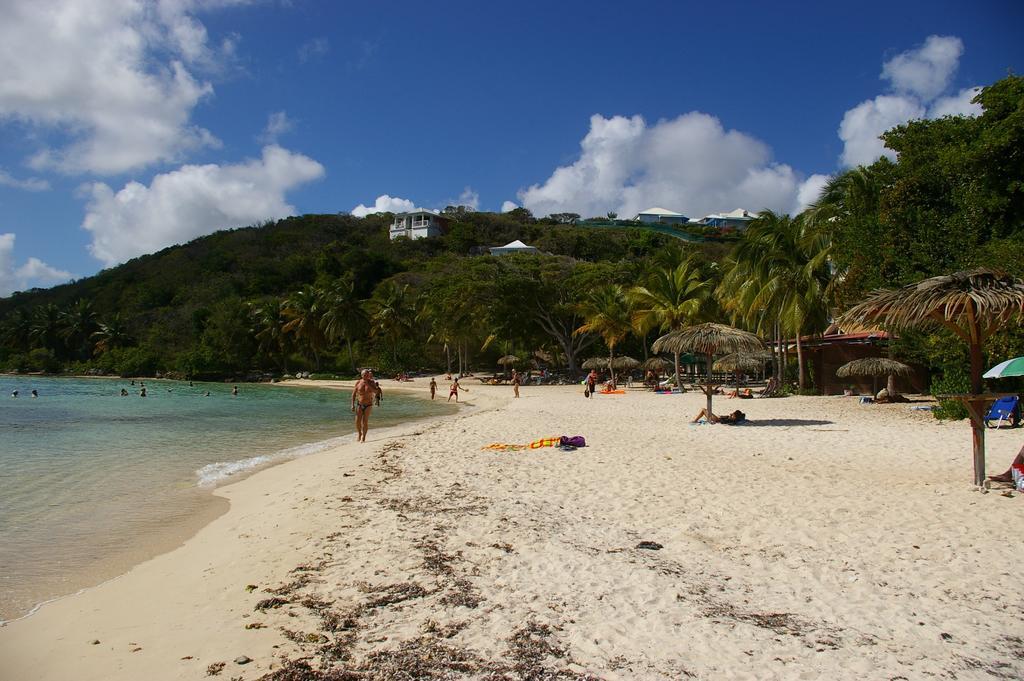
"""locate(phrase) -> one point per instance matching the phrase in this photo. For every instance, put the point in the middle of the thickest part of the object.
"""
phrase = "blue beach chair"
(1005, 410)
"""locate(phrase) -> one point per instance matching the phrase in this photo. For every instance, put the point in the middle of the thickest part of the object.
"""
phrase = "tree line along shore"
(330, 293)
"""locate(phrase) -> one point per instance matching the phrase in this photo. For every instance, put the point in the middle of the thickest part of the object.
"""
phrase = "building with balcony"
(418, 224)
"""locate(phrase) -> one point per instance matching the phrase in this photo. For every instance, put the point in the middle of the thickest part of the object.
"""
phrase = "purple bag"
(574, 441)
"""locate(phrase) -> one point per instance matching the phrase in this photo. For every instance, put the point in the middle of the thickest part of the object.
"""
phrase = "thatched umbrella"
(595, 363)
(624, 363)
(709, 339)
(876, 366)
(743, 361)
(507, 359)
(972, 304)
(656, 364)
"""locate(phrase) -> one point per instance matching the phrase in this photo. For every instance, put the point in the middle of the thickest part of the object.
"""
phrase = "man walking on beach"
(362, 402)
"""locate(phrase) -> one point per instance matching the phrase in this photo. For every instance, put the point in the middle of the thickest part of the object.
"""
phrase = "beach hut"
(709, 339)
(972, 304)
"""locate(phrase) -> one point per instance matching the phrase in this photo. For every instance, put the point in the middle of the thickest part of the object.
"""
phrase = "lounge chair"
(770, 389)
(1006, 410)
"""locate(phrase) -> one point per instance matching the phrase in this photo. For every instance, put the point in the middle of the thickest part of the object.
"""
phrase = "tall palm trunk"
(799, 361)
(679, 375)
(351, 355)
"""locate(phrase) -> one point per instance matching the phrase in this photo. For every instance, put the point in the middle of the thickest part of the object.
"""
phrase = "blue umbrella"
(1011, 367)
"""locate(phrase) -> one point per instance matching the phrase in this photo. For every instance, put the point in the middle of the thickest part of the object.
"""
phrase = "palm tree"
(268, 322)
(390, 313)
(780, 274)
(607, 313)
(17, 330)
(671, 299)
(110, 334)
(45, 329)
(343, 317)
(77, 323)
(304, 311)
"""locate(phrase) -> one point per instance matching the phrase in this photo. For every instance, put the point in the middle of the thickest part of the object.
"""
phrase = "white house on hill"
(661, 215)
(516, 246)
(418, 224)
(735, 219)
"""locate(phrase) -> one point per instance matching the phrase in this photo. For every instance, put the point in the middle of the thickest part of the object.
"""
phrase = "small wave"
(214, 473)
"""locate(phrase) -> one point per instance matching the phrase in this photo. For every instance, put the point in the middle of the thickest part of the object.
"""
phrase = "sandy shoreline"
(825, 539)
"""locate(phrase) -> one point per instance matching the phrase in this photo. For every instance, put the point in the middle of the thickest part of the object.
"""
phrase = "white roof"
(660, 211)
(516, 244)
(733, 214)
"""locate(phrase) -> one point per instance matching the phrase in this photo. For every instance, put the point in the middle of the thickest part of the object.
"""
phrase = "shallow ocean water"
(91, 482)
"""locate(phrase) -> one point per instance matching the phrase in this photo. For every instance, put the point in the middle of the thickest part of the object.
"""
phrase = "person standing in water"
(234, 391)
(433, 387)
(363, 395)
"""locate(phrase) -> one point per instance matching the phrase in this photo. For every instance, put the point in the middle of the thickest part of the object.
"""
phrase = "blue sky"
(126, 126)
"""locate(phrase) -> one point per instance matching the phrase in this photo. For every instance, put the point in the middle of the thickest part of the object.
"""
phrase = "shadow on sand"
(788, 422)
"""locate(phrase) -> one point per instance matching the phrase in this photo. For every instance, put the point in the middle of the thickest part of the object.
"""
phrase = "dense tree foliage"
(332, 292)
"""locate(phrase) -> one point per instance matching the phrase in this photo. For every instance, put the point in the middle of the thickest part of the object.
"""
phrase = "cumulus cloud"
(690, 164)
(862, 125)
(33, 272)
(384, 204)
(192, 201)
(31, 184)
(278, 124)
(925, 72)
(809, 191)
(508, 206)
(917, 78)
(959, 104)
(468, 198)
(112, 81)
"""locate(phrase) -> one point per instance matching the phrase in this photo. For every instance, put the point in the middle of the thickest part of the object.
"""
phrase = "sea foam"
(214, 473)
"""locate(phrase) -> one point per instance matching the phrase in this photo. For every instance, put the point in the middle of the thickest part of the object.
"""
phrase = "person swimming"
(14, 393)
(142, 392)
(124, 392)
(34, 393)
(234, 391)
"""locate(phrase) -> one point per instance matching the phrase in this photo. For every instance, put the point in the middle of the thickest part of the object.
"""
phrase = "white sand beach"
(823, 539)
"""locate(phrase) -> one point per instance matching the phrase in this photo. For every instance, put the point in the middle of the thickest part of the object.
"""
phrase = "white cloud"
(468, 198)
(192, 201)
(31, 184)
(384, 204)
(917, 77)
(112, 81)
(690, 164)
(925, 72)
(959, 104)
(33, 272)
(862, 125)
(278, 123)
(509, 206)
(809, 191)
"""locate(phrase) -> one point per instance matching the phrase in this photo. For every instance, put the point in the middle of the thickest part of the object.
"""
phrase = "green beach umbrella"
(1011, 367)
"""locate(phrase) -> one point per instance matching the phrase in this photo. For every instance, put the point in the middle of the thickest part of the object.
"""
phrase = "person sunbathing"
(729, 419)
(1014, 474)
(743, 394)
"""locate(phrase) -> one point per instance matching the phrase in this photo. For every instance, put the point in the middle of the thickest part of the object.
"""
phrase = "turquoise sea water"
(91, 482)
